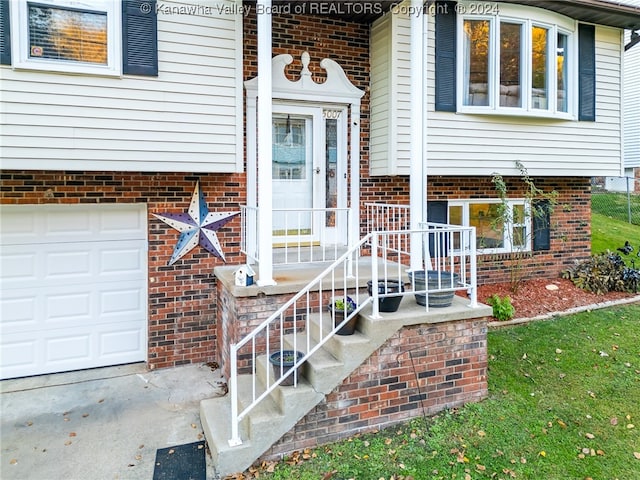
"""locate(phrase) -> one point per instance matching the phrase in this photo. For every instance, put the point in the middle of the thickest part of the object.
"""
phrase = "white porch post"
(265, 184)
(354, 156)
(418, 178)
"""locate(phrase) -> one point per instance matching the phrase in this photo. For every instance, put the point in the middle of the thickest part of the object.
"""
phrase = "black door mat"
(182, 462)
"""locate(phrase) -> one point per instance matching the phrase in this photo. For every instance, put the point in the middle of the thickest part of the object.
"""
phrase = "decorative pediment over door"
(335, 89)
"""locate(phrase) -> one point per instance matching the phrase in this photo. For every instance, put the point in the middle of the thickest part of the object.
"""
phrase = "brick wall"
(182, 300)
(419, 371)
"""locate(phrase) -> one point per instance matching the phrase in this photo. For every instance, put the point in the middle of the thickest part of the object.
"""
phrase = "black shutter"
(445, 45)
(541, 225)
(5, 33)
(586, 72)
(139, 37)
(438, 212)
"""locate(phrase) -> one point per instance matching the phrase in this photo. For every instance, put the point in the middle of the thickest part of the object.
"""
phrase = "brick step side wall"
(421, 370)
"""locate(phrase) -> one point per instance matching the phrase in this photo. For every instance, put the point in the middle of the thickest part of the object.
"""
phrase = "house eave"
(611, 13)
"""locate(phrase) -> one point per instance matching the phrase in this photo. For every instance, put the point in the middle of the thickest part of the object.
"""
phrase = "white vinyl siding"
(189, 118)
(473, 144)
(631, 106)
(390, 95)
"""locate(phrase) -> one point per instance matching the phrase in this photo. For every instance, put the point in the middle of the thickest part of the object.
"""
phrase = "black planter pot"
(429, 281)
(338, 317)
(387, 304)
(287, 358)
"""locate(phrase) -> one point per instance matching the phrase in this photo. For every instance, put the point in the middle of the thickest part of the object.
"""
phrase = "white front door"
(309, 175)
(298, 173)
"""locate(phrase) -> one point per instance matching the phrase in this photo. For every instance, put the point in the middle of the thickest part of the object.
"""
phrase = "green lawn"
(609, 233)
(564, 403)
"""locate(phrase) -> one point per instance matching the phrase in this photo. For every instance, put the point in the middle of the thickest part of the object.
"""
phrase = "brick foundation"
(419, 371)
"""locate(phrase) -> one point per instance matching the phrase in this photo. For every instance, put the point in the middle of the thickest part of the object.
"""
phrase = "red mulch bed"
(534, 299)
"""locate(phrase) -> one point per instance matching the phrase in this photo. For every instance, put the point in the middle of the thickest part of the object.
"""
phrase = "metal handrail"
(316, 286)
(449, 248)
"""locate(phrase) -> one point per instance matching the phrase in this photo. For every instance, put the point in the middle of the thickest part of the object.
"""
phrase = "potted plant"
(341, 308)
(285, 359)
(387, 287)
(428, 280)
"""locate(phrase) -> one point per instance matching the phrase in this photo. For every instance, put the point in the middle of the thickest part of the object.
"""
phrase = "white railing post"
(473, 269)
(375, 238)
(350, 242)
(235, 439)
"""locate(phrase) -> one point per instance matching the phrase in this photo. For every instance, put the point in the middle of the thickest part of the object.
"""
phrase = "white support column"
(265, 184)
(354, 154)
(418, 180)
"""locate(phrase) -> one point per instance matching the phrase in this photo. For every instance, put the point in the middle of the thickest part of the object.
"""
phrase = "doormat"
(182, 462)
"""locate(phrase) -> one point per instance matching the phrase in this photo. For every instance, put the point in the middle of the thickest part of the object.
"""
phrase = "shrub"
(602, 273)
(503, 309)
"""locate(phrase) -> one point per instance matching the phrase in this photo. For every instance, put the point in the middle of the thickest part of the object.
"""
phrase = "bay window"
(516, 64)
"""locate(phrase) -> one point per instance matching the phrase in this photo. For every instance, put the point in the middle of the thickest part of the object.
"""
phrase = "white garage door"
(73, 287)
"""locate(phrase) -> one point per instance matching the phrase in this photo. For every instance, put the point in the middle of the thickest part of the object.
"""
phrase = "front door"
(297, 173)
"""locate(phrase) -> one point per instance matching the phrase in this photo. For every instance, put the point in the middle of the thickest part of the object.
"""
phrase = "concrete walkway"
(101, 424)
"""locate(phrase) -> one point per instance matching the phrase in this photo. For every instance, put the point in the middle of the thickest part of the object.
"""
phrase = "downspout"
(417, 181)
(265, 184)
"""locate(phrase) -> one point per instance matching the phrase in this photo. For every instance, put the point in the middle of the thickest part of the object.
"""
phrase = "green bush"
(503, 309)
(602, 273)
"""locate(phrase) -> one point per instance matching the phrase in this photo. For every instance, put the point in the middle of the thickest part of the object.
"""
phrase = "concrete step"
(322, 369)
(338, 345)
(286, 398)
(264, 425)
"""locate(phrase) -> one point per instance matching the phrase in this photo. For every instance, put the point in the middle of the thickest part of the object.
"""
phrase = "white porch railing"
(293, 317)
(385, 217)
(449, 265)
(302, 235)
(447, 249)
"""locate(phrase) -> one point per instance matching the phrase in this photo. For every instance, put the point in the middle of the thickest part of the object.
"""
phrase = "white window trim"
(508, 247)
(20, 38)
(528, 16)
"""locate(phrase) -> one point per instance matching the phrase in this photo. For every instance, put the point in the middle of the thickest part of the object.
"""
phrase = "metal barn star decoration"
(197, 226)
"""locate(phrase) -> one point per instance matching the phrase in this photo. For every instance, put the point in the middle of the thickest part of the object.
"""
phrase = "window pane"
(518, 214)
(539, 45)
(561, 59)
(510, 68)
(71, 35)
(289, 149)
(519, 240)
(476, 62)
(484, 216)
(455, 218)
(455, 214)
(331, 165)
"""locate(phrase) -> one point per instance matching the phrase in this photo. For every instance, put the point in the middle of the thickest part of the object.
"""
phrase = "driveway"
(101, 424)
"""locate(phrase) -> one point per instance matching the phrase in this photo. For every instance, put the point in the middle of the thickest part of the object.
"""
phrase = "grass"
(609, 234)
(563, 398)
